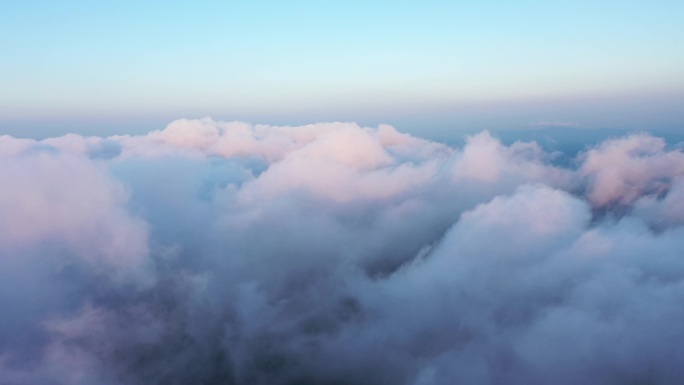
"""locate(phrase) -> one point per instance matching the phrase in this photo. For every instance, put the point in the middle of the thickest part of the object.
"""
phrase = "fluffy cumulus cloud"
(230, 253)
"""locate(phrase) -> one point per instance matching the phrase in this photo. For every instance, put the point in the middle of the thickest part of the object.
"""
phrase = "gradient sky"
(126, 66)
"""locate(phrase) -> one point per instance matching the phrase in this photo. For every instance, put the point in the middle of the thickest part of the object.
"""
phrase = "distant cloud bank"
(554, 124)
(230, 253)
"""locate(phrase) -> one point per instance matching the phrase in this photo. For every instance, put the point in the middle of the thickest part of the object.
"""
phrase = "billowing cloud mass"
(230, 253)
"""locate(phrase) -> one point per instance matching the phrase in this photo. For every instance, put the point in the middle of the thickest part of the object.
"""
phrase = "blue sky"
(125, 65)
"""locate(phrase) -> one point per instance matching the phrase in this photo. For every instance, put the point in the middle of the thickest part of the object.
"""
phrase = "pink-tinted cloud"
(226, 252)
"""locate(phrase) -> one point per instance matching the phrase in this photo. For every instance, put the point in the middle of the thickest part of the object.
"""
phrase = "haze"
(432, 67)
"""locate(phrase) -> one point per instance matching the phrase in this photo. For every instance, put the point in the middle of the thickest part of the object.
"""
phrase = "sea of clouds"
(230, 253)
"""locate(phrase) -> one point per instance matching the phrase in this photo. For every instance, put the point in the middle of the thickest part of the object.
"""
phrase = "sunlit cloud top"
(213, 252)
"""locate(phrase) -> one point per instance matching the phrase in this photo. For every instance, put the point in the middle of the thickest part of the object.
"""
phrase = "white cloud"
(337, 253)
(622, 170)
(67, 202)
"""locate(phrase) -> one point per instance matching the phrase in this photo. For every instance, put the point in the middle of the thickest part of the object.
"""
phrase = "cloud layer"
(230, 253)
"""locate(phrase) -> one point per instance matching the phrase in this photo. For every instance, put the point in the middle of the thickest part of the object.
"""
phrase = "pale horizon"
(489, 65)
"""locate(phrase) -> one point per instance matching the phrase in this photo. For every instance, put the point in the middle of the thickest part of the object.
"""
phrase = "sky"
(270, 192)
(126, 66)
